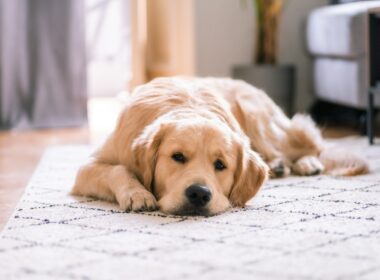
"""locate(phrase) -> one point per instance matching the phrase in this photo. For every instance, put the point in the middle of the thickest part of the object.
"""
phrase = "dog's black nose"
(198, 195)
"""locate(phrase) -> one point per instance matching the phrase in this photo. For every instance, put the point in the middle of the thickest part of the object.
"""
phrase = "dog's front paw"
(307, 166)
(137, 200)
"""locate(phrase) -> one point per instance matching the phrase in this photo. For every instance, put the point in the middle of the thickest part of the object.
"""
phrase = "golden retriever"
(199, 146)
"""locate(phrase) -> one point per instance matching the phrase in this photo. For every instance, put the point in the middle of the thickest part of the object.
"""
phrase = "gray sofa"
(337, 38)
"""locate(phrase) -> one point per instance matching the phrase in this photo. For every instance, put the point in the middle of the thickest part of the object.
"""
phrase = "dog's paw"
(307, 166)
(137, 200)
(278, 168)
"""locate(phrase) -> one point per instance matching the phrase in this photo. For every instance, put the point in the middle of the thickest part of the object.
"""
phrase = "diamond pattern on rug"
(319, 227)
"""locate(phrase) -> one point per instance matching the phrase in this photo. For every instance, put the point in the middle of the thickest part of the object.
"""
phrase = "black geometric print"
(319, 227)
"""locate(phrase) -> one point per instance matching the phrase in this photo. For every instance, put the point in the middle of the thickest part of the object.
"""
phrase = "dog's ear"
(145, 148)
(251, 172)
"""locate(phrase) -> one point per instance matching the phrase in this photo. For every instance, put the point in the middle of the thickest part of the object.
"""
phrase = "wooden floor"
(20, 151)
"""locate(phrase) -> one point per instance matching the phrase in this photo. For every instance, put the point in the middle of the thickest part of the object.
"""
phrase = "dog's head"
(197, 167)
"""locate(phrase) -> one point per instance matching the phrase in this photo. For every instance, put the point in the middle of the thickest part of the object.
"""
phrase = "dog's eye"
(219, 165)
(179, 157)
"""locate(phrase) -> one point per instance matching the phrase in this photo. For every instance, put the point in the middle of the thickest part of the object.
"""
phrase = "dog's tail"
(304, 138)
(343, 163)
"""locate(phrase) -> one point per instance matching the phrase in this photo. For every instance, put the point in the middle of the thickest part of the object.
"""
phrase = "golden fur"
(206, 120)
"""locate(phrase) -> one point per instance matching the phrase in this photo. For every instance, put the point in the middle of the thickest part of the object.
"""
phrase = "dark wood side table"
(374, 68)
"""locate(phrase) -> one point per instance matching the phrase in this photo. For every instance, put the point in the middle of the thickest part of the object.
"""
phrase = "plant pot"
(276, 80)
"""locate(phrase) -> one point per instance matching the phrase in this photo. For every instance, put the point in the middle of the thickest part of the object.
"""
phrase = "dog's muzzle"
(198, 196)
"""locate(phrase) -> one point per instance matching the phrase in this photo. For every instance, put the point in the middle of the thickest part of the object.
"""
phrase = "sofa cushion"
(346, 1)
(339, 30)
(341, 81)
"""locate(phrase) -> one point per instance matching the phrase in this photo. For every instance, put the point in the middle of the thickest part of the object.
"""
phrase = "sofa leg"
(370, 117)
(362, 123)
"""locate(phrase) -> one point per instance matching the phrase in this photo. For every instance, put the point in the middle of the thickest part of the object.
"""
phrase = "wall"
(224, 36)
(293, 50)
(224, 32)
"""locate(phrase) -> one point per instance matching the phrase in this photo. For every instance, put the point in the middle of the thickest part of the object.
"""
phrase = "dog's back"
(296, 143)
(286, 145)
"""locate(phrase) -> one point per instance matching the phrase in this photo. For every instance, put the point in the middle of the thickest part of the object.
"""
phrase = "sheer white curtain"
(108, 40)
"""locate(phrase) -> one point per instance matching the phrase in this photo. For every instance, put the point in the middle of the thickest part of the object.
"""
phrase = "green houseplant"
(268, 13)
(265, 72)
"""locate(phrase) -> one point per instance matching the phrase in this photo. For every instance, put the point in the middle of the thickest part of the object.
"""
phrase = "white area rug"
(297, 228)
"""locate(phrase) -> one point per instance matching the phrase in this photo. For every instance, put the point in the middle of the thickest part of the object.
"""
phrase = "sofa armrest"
(339, 30)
